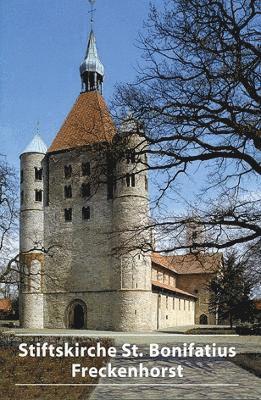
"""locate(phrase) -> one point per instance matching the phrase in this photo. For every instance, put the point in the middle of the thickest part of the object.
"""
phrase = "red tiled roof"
(163, 261)
(257, 303)
(171, 288)
(88, 122)
(189, 263)
(5, 305)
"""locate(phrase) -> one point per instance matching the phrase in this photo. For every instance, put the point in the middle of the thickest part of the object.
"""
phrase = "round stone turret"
(132, 265)
(31, 233)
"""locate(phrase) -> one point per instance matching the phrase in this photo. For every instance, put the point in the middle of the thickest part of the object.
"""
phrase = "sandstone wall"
(197, 285)
(172, 310)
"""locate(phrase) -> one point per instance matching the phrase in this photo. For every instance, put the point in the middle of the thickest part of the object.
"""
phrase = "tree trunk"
(231, 320)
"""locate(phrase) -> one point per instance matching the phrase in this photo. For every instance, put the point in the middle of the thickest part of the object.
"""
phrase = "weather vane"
(38, 127)
(92, 2)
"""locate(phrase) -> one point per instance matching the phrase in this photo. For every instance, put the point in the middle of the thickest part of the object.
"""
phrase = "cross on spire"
(92, 2)
(38, 128)
(91, 69)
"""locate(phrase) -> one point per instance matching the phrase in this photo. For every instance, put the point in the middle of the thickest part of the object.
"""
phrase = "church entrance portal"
(203, 319)
(76, 315)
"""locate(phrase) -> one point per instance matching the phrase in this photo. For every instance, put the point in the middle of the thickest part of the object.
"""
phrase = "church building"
(77, 207)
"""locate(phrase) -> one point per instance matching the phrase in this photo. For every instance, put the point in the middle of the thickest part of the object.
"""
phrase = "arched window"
(130, 180)
(85, 190)
(68, 214)
(86, 215)
(67, 171)
(38, 173)
(86, 169)
(68, 192)
(39, 195)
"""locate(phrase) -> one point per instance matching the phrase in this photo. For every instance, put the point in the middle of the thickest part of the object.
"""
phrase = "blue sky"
(42, 43)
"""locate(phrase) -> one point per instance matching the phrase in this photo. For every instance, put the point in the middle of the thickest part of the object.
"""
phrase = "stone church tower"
(90, 207)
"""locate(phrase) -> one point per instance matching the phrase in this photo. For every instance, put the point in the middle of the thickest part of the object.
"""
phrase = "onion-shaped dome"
(91, 69)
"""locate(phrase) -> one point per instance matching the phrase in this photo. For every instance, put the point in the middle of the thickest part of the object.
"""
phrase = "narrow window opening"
(133, 180)
(173, 305)
(86, 169)
(128, 180)
(38, 195)
(22, 198)
(86, 215)
(38, 172)
(131, 156)
(68, 192)
(68, 214)
(22, 176)
(67, 171)
(86, 190)
(146, 183)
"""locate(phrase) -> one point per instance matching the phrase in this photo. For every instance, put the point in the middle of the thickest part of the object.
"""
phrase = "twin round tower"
(78, 204)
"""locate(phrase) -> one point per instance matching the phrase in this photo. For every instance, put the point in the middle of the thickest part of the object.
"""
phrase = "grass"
(15, 369)
(249, 361)
(210, 331)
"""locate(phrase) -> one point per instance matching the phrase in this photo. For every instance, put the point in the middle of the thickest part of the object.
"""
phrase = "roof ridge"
(88, 122)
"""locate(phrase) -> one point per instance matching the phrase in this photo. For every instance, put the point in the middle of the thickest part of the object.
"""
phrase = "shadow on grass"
(249, 361)
(15, 369)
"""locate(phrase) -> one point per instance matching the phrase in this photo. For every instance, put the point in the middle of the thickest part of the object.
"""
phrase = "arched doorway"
(203, 319)
(76, 315)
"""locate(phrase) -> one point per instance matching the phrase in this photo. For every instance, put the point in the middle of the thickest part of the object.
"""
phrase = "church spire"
(91, 69)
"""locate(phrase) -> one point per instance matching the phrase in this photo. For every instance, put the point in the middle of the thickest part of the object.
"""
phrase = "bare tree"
(8, 220)
(12, 271)
(252, 260)
(197, 96)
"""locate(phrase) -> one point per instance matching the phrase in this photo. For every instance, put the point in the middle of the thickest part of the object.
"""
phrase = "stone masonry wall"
(197, 285)
(31, 235)
(171, 310)
(132, 265)
(81, 264)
